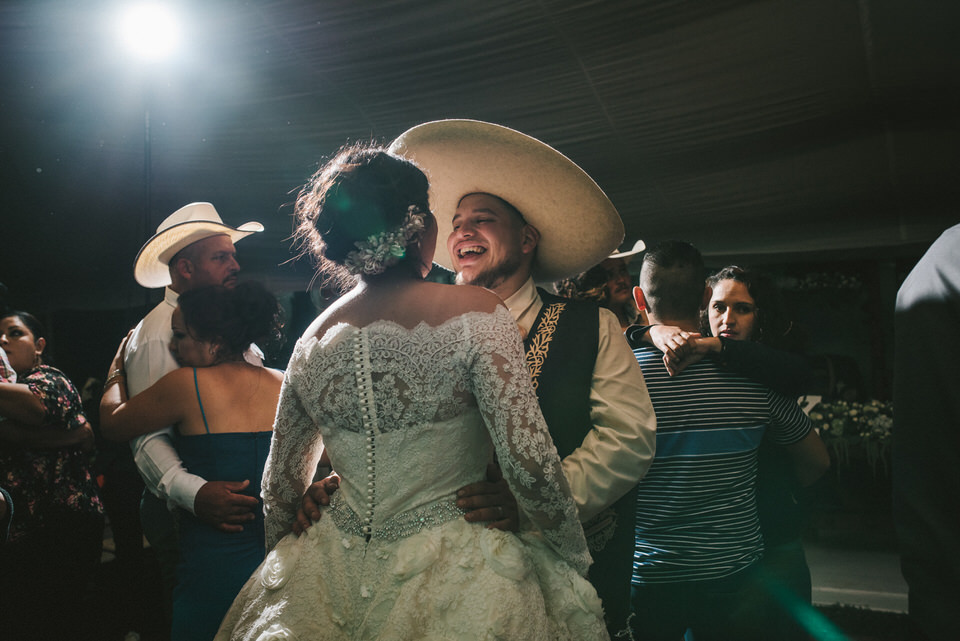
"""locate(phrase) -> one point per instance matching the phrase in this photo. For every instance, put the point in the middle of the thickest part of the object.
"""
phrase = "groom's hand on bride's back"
(316, 495)
(490, 502)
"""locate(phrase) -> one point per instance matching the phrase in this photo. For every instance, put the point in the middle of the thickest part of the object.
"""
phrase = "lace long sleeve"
(294, 454)
(501, 384)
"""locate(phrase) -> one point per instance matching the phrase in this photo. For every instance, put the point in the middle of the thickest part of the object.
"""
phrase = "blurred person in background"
(926, 437)
(609, 285)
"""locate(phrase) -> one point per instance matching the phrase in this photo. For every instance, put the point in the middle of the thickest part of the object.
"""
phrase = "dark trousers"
(731, 608)
(46, 579)
(133, 602)
(785, 580)
(159, 526)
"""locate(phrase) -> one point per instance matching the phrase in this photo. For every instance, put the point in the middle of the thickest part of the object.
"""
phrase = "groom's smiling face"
(487, 244)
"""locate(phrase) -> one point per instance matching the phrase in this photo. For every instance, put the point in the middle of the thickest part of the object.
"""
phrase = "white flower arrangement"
(844, 424)
(379, 251)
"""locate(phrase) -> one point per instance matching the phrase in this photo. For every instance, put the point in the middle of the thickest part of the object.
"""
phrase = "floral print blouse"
(47, 483)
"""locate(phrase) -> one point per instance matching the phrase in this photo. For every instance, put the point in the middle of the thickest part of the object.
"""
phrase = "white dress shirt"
(146, 361)
(618, 450)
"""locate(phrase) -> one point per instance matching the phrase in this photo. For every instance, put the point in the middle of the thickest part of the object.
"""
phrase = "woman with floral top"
(56, 531)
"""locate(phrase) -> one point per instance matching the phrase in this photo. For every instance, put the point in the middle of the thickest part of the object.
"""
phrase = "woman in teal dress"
(223, 409)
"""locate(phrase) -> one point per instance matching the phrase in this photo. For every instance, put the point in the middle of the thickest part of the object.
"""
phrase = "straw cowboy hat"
(578, 224)
(183, 227)
(638, 247)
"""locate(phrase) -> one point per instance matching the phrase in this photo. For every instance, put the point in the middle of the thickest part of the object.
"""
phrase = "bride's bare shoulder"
(331, 316)
(470, 298)
(427, 302)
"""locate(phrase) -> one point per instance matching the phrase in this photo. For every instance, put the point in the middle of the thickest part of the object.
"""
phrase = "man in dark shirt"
(926, 436)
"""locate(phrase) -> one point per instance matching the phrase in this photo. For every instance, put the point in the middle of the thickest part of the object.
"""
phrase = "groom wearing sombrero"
(192, 248)
(515, 212)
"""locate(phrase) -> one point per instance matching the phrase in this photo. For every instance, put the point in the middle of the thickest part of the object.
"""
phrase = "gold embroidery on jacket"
(540, 344)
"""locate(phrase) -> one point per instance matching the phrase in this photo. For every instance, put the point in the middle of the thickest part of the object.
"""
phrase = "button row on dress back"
(367, 412)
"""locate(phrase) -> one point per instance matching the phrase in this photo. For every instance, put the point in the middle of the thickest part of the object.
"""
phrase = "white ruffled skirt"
(455, 581)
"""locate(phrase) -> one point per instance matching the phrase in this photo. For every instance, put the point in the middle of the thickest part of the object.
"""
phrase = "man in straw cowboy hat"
(192, 248)
(514, 212)
(608, 284)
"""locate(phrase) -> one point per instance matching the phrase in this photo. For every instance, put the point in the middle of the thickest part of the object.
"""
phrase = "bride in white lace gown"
(412, 387)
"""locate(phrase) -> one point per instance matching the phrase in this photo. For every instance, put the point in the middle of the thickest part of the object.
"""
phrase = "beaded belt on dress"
(398, 526)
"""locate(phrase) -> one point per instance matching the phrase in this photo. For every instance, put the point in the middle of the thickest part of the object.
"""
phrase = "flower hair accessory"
(379, 251)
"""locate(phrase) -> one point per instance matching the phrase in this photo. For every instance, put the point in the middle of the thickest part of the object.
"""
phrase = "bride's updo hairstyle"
(233, 318)
(362, 211)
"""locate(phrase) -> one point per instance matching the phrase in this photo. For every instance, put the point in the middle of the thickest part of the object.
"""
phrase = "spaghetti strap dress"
(214, 565)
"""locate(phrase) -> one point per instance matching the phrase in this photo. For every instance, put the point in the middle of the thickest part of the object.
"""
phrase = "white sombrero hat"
(578, 224)
(183, 227)
(638, 247)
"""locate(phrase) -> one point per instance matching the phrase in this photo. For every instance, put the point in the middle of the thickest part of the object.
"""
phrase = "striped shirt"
(696, 507)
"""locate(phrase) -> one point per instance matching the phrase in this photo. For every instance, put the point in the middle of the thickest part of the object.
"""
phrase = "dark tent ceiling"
(746, 127)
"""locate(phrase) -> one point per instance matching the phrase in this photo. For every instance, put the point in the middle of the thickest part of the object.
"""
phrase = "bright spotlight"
(151, 31)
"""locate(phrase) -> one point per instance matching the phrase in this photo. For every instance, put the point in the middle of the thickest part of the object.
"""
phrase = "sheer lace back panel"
(404, 415)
